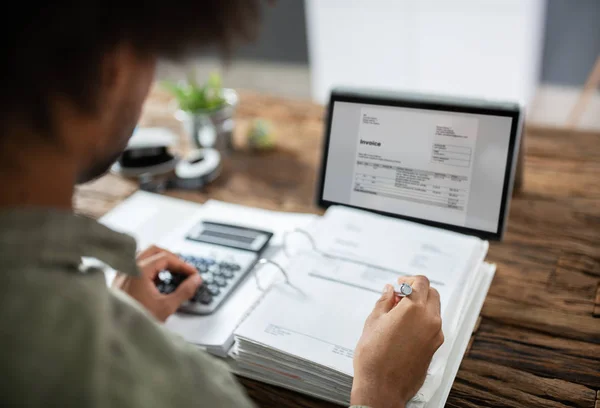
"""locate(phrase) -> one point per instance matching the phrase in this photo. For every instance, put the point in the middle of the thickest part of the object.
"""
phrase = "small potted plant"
(206, 110)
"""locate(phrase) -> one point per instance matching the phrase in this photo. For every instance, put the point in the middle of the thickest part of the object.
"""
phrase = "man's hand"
(142, 288)
(397, 344)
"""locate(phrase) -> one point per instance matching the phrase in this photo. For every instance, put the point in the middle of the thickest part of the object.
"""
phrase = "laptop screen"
(444, 167)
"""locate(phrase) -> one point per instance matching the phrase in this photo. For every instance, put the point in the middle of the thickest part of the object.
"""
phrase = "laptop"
(435, 160)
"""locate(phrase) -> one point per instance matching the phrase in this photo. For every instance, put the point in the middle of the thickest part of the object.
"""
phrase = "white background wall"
(278, 63)
(488, 48)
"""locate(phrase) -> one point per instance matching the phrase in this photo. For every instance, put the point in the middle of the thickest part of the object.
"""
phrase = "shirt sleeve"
(212, 375)
(155, 368)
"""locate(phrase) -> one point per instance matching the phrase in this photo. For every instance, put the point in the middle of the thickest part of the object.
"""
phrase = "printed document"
(319, 316)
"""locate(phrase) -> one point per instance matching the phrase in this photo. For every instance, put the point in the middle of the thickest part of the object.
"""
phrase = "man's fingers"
(184, 292)
(420, 287)
(165, 260)
(433, 302)
(174, 263)
(151, 250)
(385, 303)
(177, 265)
(153, 264)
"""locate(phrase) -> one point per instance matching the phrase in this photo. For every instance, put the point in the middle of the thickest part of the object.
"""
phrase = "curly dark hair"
(57, 48)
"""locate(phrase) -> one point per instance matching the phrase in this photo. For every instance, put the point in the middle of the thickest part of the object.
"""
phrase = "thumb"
(385, 303)
(184, 291)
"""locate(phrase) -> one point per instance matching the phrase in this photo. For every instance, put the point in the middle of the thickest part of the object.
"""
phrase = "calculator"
(223, 256)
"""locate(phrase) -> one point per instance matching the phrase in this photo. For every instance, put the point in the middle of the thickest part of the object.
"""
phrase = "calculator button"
(207, 278)
(214, 268)
(164, 276)
(177, 278)
(226, 273)
(202, 268)
(234, 267)
(214, 290)
(168, 288)
(219, 280)
(205, 297)
(209, 261)
(202, 289)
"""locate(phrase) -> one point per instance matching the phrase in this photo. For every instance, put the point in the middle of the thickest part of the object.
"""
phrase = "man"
(75, 78)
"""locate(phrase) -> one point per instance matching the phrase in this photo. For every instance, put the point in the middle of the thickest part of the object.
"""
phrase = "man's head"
(76, 75)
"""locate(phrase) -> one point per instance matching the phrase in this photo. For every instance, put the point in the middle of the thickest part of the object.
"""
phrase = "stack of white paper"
(302, 335)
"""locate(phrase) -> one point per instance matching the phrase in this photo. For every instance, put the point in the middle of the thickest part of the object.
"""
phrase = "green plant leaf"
(214, 80)
(192, 97)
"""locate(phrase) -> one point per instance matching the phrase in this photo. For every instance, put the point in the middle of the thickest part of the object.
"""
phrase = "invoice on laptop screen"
(443, 167)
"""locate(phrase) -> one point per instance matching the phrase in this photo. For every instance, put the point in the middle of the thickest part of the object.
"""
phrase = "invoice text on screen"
(411, 160)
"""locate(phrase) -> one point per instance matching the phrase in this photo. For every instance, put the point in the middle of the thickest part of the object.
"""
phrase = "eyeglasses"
(295, 243)
(299, 242)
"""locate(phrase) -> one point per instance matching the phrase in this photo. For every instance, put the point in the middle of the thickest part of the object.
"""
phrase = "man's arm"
(156, 368)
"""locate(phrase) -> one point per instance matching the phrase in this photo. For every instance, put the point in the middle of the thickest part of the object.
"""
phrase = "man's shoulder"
(60, 330)
(52, 334)
(71, 326)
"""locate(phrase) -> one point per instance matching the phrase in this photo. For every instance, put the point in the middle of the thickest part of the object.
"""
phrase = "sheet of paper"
(401, 246)
(436, 390)
(315, 319)
(148, 217)
(439, 389)
(319, 317)
(385, 248)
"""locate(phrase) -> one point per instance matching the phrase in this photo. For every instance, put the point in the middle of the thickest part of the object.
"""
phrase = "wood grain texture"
(572, 361)
(537, 342)
(597, 302)
(523, 387)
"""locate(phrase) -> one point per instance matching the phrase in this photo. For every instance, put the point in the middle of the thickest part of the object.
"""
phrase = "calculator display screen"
(230, 236)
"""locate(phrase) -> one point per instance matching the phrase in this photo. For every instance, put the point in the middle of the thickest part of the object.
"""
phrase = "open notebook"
(301, 334)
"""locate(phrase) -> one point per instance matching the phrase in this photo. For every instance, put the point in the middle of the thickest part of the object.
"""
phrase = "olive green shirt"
(67, 340)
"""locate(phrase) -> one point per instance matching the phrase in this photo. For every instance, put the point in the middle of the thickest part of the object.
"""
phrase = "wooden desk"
(537, 342)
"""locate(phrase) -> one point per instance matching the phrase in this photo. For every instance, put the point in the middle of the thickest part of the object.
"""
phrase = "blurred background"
(537, 52)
